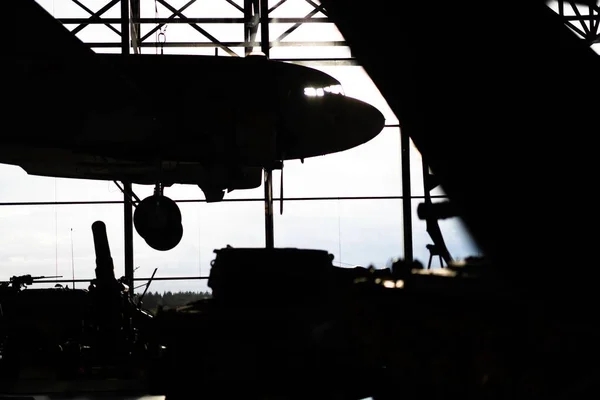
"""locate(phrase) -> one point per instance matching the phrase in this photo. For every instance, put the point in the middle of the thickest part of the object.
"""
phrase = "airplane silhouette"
(211, 121)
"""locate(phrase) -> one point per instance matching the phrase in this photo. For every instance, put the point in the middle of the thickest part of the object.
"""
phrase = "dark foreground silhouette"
(286, 323)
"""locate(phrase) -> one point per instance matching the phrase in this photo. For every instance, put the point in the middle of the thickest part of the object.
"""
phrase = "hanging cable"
(161, 36)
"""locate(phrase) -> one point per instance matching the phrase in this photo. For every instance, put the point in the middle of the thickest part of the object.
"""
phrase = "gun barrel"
(104, 261)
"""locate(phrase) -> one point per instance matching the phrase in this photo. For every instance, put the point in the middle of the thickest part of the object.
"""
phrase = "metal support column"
(128, 207)
(124, 27)
(264, 45)
(264, 27)
(406, 196)
(251, 22)
(269, 231)
(128, 224)
(135, 26)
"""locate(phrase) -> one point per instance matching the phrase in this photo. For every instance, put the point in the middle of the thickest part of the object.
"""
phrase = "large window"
(349, 203)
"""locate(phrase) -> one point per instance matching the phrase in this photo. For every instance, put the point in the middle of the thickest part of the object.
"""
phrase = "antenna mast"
(72, 260)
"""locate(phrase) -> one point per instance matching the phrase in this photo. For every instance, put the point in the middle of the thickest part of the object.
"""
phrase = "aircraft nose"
(317, 126)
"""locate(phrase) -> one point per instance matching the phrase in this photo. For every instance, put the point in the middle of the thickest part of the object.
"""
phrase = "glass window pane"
(50, 240)
(206, 227)
(372, 169)
(356, 232)
(38, 239)
(17, 186)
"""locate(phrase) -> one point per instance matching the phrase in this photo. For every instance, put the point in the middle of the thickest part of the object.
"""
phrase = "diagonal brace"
(95, 15)
(157, 27)
(196, 27)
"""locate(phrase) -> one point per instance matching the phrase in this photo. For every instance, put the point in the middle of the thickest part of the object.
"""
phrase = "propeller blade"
(281, 191)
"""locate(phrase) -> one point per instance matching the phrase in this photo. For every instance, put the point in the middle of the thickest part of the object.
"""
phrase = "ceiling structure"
(583, 19)
(146, 29)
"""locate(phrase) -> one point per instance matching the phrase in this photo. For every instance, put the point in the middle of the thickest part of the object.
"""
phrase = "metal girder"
(199, 29)
(228, 44)
(171, 18)
(251, 20)
(582, 19)
(235, 5)
(263, 12)
(134, 8)
(95, 17)
(298, 24)
(249, 17)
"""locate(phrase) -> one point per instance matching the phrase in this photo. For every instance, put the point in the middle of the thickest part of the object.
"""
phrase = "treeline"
(171, 299)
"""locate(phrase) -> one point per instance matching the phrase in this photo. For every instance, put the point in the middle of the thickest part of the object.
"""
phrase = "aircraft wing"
(213, 179)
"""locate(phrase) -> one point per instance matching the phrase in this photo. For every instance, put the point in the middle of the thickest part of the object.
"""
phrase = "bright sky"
(42, 240)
